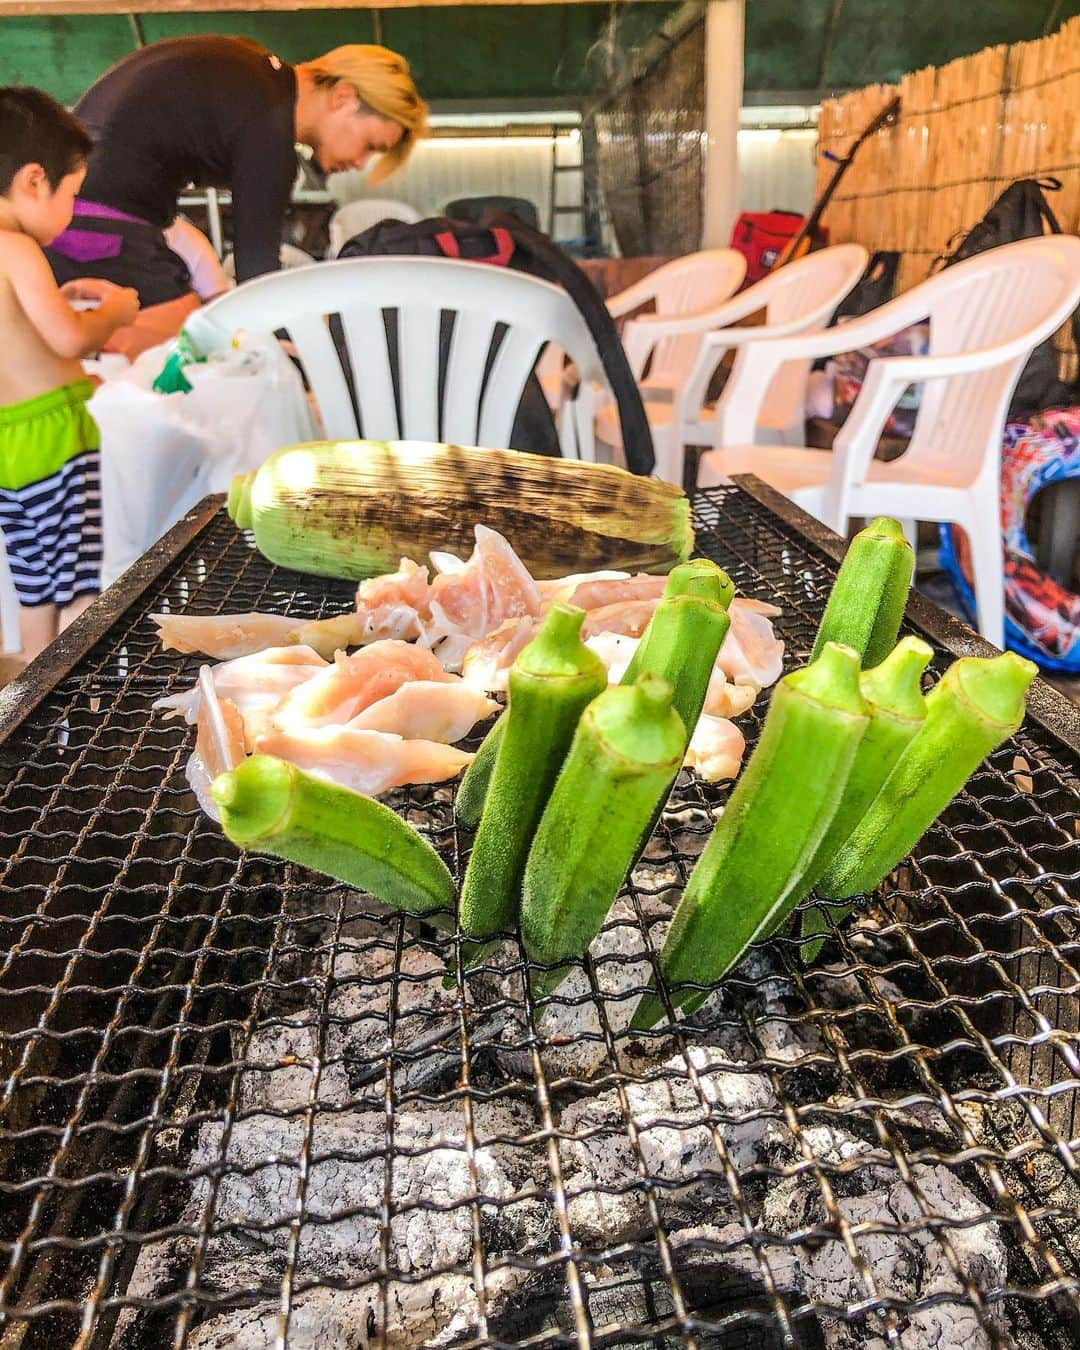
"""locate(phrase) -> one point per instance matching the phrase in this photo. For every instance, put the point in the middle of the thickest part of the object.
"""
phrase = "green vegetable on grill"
(977, 704)
(551, 683)
(742, 885)
(897, 709)
(625, 755)
(867, 600)
(269, 806)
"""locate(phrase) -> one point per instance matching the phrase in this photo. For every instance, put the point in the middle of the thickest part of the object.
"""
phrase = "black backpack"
(506, 241)
(1022, 212)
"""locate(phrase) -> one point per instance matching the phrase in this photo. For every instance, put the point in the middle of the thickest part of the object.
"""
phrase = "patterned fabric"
(50, 496)
(1042, 618)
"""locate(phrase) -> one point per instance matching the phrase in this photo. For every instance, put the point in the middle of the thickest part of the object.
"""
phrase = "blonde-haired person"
(223, 112)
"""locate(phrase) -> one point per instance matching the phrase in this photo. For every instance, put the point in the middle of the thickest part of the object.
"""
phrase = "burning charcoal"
(906, 1266)
(675, 1142)
(431, 1312)
(570, 1024)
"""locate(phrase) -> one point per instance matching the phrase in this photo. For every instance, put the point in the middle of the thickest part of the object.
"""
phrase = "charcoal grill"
(239, 1106)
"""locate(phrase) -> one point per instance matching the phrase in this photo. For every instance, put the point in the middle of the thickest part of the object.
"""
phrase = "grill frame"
(198, 958)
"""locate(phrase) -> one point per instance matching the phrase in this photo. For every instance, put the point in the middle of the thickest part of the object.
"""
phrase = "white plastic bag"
(161, 453)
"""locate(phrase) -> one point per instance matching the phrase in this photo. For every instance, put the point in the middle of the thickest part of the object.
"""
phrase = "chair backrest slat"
(418, 349)
(373, 381)
(465, 376)
(311, 336)
(420, 291)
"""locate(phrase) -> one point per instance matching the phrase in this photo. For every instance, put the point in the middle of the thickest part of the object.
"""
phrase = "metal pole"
(213, 215)
(724, 37)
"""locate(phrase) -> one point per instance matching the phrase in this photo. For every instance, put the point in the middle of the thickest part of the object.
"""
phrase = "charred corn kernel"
(469, 800)
(777, 815)
(977, 704)
(624, 757)
(871, 589)
(269, 806)
(897, 709)
(355, 508)
(551, 683)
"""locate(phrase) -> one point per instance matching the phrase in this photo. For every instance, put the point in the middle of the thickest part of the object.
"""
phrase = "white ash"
(432, 1312)
(905, 1266)
(573, 1036)
(675, 1136)
(430, 1167)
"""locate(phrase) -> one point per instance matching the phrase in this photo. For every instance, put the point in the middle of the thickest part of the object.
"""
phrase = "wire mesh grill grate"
(239, 1106)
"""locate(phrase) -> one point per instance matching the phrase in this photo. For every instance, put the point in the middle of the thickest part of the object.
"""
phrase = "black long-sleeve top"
(216, 111)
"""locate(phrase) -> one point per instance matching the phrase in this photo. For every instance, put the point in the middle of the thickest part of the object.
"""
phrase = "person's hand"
(122, 303)
(88, 288)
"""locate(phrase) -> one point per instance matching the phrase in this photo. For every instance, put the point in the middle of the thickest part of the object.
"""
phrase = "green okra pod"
(897, 708)
(469, 798)
(685, 634)
(977, 704)
(867, 601)
(551, 683)
(625, 755)
(743, 884)
(269, 806)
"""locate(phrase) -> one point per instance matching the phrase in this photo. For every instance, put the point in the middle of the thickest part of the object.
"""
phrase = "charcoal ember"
(676, 1138)
(259, 1191)
(279, 1060)
(909, 1266)
(430, 1312)
(573, 1044)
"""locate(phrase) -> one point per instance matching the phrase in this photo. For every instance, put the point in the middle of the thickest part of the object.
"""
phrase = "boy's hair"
(35, 129)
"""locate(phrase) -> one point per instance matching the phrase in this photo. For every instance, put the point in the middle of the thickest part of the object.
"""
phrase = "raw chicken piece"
(389, 606)
(493, 586)
(602, 592)
(629, 617)
(327, 636)
(255, 684)
(724, 699)
(219, 743)
(616, 650)
(561, 588)
(486, 663)
(424, 710)
(751, 653)
(336, 694)
(371, 762)
(716, 749)
(225, 636)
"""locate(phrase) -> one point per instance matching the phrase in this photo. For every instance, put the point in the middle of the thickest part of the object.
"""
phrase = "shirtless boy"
(50, 494)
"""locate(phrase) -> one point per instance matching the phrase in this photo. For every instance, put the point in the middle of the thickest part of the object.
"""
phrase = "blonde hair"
(383, 82)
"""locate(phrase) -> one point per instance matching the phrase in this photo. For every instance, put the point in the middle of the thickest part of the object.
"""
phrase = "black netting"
(239, 1106)
(651, 153)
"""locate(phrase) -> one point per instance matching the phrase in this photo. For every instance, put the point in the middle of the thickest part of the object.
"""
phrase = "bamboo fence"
(965, 131)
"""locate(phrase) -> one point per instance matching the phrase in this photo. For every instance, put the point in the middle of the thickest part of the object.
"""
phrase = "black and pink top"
(214, 111)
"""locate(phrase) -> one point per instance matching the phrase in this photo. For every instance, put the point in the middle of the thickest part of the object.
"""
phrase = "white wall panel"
(776, 169)
(441, 169)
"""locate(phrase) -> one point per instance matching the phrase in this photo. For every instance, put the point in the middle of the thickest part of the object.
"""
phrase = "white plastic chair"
(681, 288)
(796, 297)
(10, 637)
(986, 316)
(475, 410)
(354, 217)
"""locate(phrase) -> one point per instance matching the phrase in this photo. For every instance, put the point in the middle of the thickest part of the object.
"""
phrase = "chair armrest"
(635, 295)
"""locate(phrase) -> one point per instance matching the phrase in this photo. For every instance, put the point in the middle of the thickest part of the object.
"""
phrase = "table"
(163, 1000)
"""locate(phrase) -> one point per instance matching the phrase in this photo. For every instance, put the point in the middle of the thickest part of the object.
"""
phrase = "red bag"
(760, 237)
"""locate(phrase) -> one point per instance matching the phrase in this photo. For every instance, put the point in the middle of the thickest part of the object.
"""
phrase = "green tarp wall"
(537, 51)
